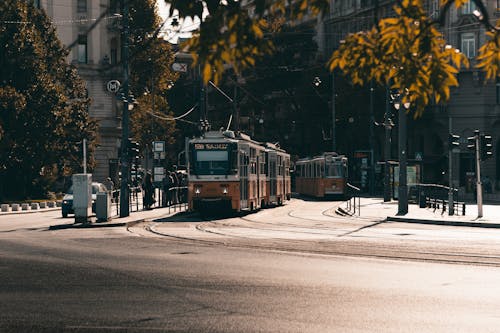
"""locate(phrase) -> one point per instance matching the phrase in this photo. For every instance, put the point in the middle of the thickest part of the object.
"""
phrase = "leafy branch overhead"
(234, 33)
(406, 51)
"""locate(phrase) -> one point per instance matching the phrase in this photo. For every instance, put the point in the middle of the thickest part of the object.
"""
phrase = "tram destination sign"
(210, 146)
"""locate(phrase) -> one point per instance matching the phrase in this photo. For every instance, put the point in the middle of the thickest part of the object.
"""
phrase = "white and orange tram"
(229, 171)
(277, 165)
(322, 176)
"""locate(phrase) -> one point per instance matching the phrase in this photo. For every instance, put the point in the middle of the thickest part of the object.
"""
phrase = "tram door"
(272, 176)
(244, 159)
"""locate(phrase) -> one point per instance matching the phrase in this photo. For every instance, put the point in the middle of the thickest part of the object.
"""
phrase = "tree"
(289, 104)
(407, 51)
(151, 77)
(43, 105)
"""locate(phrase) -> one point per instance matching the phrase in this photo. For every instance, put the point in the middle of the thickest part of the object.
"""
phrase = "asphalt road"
(206, 276)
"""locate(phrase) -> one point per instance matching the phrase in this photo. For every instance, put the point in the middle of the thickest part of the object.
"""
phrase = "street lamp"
(402, 108)
(124, 190)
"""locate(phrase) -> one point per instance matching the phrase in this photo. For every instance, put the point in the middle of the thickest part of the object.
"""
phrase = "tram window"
(263, 163)
(212, 162)
(234, 162)
(335, 170)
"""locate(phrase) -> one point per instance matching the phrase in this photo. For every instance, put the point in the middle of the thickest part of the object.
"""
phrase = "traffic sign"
(113, 86)
(180, 67)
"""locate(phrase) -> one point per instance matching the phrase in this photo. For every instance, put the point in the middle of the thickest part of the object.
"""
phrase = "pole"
(202, 101)
(450, 178)
(402, 189)
(152, 105)
(85, 156)
(479, 184)
(334, 143)
(387, 149)
(371, 186)
(124, 195)
(235, 108)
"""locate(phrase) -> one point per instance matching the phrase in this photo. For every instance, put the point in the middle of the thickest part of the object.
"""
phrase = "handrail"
(353, 190)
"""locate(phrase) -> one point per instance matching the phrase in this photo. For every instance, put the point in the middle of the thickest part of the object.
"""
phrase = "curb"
(441, 222)
(41, 210)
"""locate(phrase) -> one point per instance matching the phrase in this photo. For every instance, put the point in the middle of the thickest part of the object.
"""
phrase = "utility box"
(103, 207)
(82, 197)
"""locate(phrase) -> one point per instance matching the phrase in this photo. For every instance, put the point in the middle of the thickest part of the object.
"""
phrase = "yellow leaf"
(207, 71)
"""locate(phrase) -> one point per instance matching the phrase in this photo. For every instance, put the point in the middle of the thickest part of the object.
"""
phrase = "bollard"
(35, 206)
(15, 207)
(5, 207)
(25, 206)
(43, 205)
(51, 204)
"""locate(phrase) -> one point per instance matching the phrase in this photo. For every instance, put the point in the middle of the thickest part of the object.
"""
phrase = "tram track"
(338, 245)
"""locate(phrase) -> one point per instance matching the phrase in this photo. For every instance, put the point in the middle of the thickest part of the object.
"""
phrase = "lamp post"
(387, 150)
(402, 188)
(124, 190)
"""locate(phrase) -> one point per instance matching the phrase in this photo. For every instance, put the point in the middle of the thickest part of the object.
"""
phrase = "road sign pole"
(479, 184)
(450, 178)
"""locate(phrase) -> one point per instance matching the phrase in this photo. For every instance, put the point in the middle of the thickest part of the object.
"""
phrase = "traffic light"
(471, 143)
(453, 141)
(133, 153)
(486, 147)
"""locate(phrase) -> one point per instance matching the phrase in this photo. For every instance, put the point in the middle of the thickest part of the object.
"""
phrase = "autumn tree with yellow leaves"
(406, 52)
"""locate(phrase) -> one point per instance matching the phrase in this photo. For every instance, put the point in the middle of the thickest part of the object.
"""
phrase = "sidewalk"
(134, 217)
(376, 209)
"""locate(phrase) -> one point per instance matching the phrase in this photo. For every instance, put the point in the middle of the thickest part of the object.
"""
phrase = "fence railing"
(175, 199)
(437, 196)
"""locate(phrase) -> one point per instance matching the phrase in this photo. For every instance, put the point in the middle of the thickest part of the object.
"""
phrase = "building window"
(37, 3)
(82, 49)
(81, 6)
(468, 45)
(114, 51)
(468, 8)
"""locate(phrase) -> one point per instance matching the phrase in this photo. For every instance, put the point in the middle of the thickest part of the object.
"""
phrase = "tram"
(229, 171)
(277, 166)
(322, 176)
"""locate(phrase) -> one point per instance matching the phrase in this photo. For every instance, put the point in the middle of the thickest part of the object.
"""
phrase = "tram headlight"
(224, 190)
(197, 190)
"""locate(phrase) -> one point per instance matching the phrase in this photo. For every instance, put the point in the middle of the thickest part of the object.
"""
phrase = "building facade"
(474, 105)
(90, 30)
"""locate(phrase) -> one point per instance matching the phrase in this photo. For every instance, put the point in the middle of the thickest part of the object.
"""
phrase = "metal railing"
(437, 196)
(175, 199)
(353, 194)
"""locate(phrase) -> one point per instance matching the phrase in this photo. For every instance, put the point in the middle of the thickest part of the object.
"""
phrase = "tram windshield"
(335, 170)
(211, 162)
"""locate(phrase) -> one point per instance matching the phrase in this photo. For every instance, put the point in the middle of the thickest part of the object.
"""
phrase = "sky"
(171, 33)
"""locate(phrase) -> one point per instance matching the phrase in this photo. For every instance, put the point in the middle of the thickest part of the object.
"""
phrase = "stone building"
(90, 29)
(475, 104)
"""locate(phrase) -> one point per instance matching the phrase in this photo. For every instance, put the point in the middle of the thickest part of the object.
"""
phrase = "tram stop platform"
(377, 210)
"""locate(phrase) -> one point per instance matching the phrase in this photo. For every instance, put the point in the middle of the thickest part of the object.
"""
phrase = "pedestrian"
(110, 186)
(175, 187)
(488, 188)
(147, 187)
(183, 184)
(167, 185)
